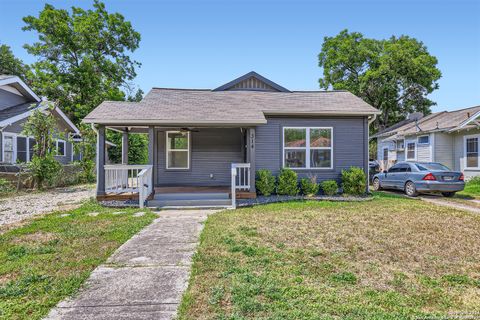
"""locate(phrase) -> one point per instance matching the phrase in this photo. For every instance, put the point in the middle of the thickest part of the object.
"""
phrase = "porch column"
(100, 160)
(251, 156)
(125, 146)
(151, 151)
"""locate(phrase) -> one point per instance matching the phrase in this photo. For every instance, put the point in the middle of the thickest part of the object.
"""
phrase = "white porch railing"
(121, 178)
(240, 179)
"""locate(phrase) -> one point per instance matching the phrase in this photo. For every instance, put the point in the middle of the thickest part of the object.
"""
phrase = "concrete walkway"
(146, 277)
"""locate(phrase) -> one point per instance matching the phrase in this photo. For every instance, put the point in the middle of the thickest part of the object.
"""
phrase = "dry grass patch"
(391, 258)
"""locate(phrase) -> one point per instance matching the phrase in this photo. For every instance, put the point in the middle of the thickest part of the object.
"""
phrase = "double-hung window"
(61, 150)
(471, 152)
(9, 145)
(308, 147)
(178, 150)
(411, 150)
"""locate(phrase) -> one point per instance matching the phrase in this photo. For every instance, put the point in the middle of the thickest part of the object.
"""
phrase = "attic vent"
(468, 115)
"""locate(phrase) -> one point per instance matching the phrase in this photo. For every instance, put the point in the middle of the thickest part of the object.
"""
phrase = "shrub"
(309, 186)
(45, 169)
(287, 182)
(354, 181)
(6, 186)
(329, 187)
(265, 182)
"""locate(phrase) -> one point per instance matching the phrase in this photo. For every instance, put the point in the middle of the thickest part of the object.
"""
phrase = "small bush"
(45, 169)
(354, 181)
(6, 186)
(309, 186)
(265, 182)
(329, 187)
(287, 182)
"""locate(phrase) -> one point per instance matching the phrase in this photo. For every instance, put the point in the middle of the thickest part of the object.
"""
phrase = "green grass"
(47, 259)
(390, 258)
(472, 189)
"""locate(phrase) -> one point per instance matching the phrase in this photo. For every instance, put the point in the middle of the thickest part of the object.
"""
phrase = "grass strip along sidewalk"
(48, 258)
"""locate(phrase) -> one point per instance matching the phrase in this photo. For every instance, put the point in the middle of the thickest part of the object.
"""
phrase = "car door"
(390, 175)
(398, 181)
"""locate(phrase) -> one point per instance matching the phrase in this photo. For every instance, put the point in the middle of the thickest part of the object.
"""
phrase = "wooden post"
(101, 160)
(125, 146)
(251, 156)
(151, 153)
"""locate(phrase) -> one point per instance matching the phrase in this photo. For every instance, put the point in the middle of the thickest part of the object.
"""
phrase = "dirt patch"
(35, 238)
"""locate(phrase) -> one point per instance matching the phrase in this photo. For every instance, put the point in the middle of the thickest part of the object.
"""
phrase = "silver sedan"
(420, 177)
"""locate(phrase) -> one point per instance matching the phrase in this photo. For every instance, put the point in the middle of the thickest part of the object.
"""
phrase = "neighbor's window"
(471, 150)
(178, 150)
(61, 148)
(424, 140)
(401, 144)
(307, 148)
(21, 149)
(410, 150)
(31, 148)
(8, 149)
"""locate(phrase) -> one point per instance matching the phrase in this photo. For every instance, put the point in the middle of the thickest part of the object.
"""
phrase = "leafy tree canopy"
(9, 64)
(83, 56)
(393, 75)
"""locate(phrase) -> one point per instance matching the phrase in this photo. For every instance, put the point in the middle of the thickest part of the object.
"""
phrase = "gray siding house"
(217, 139)
(448, 137)
(17, 102)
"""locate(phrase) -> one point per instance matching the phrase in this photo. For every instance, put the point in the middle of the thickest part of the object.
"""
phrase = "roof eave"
(321, 113)
(149, 122)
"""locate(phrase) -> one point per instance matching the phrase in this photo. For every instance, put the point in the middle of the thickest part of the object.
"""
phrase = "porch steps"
(190, 200)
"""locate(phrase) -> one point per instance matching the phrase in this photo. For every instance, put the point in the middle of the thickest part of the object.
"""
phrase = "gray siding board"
(9, 99)
(212, 152)
(349, 149)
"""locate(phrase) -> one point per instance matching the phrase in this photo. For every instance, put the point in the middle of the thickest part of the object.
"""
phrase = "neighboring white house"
(449, 137)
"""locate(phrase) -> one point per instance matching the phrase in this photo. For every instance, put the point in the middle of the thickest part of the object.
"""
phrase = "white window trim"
(14, 143)
(307, 148)
(383, 153)
(407, 142)
(465, 151)
(64, 148)
(167, 149)
(423, 143)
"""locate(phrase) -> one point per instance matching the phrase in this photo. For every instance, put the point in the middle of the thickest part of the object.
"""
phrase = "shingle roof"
(439, 121)
(17, 110)
(190, 106)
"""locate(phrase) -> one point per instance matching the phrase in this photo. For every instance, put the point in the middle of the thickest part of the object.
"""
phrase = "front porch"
(187, 167)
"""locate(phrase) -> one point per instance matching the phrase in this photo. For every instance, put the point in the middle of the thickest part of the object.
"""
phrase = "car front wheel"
(448, 194)
(410, 189)
(376, 184)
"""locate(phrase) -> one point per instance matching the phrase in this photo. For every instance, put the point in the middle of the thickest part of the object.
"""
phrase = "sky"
(204, 44)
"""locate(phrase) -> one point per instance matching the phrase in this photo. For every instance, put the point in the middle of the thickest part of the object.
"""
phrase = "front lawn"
(47, 259)
(390, 258)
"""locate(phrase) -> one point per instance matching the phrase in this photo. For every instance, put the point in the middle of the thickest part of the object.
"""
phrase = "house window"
(22, 149)
(411, 146)
(385, 154)
(178, 150)
(31, 148)
(61, 148)
(424, 140)
(307, 148)
(471, 152)
(9, 148)
(401, 144)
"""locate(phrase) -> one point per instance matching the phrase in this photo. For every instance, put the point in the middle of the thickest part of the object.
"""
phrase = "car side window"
(393, 169)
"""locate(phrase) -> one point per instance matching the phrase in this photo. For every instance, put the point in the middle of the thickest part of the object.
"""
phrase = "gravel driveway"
(17, 208)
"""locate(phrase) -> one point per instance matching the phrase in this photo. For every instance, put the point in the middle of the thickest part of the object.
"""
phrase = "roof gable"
(252, 81)
(19, 85)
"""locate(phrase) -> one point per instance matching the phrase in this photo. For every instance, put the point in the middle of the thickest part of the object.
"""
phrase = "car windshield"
(431, 166)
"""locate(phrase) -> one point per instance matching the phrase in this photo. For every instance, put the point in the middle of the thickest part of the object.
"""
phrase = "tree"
(87, 148)
(9, 64)
(394, 75)
(41, 126)
(83, 56)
